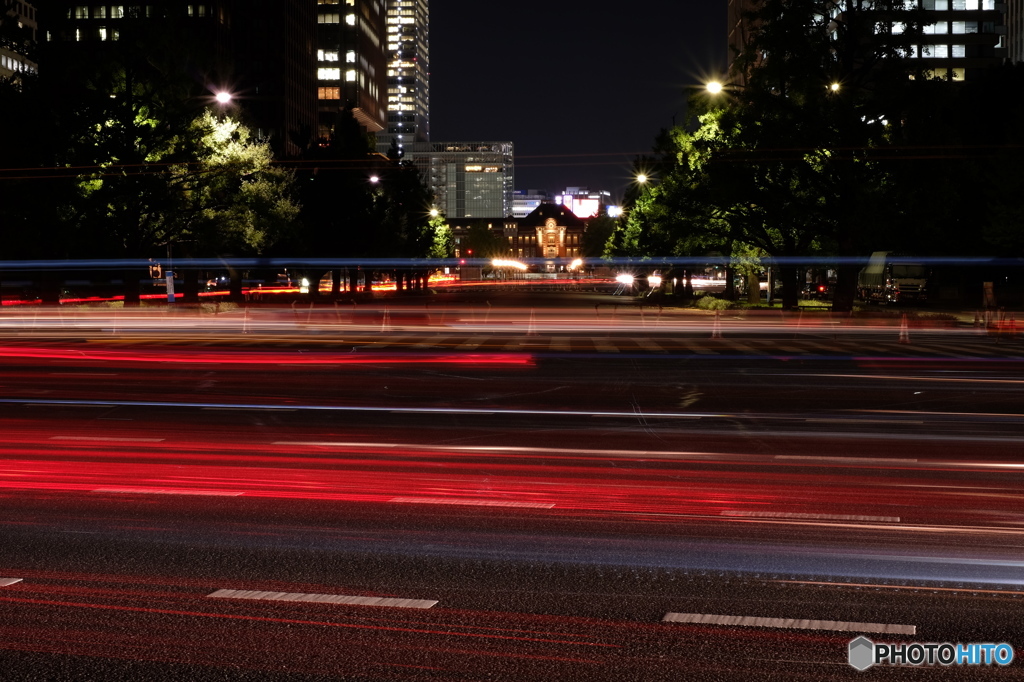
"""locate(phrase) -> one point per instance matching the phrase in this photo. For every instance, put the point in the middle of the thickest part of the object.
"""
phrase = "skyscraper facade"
(959, 37)
(468, 179)
(1015, 30)
(351, 64)
(408, 74)
(260, 51)
(17, 37)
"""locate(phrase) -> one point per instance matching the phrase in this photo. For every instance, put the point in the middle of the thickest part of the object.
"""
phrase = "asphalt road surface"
(404, 503)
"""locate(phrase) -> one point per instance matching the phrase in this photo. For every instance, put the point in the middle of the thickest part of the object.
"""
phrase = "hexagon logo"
(862, 653)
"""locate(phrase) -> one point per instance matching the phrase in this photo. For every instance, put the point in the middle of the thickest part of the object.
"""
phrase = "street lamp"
(714, 87)
(641, 178)
(223, 97)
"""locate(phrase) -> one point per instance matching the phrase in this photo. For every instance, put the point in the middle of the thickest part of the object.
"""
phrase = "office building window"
(328, 93)
(328, 74)
(328, 18)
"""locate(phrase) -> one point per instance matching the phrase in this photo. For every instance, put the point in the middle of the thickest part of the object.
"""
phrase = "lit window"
(117, 12)
(958, 51)
(99, 12)
(328, 74)
(328, 18)
(350, 57)
(103, 32)
(327, 2)
(81, 12)
(328, 93)
(350, 75)
(958, 74)
(350, 19)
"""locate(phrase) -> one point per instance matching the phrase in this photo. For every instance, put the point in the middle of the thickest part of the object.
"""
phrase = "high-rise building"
(17, 37)
(468, 179)
(260, 51)
(351, 64)
(959, 36)
(408, 74)
(1015, 30)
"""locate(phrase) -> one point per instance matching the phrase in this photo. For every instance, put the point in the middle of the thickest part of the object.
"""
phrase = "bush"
(712, 303)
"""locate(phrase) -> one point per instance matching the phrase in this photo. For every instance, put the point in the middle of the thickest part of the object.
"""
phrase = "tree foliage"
(812, 150)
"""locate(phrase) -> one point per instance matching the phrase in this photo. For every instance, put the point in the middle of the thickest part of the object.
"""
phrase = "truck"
(889, 278)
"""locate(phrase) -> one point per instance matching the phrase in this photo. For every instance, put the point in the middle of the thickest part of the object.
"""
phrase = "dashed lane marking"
(789, 623)
(259, 595)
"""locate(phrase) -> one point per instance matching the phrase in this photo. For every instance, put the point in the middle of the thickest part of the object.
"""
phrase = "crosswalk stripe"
(699, 349)
(473, 343)
(392, 341)
(603, 346)
(561, 344)
(647, 344)
(435, 341)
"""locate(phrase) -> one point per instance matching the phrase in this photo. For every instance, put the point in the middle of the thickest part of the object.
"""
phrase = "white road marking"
(603, 346)
(473, 343)
(4, 582)
(789, 623)
(392, 602)
(797, 515)
(561, 344)
(647, 344)
(472, 503)
(109, 438)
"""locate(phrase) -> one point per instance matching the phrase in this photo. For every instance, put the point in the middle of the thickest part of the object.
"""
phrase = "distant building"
(583, 202)
(549, 238)
(261, 51)
(351, 63)
(960, 36)
(17, 38)
(558, 234)
(408, 74)
(526, 201)
(468, 179)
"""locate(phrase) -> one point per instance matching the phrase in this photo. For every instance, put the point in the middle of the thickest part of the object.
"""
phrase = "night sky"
(580, 90)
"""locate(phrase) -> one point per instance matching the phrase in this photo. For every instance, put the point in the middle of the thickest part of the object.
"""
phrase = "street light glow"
(499, 263)
(374, 179)
(834, 87)
(641, 178)
(223, 97)
(614, 211)
(714, 87)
